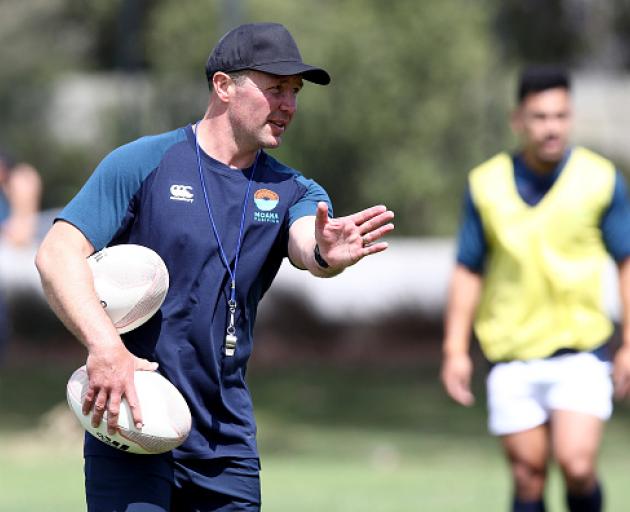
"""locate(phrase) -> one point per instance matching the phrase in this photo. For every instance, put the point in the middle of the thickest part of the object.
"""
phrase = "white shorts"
(522, 394)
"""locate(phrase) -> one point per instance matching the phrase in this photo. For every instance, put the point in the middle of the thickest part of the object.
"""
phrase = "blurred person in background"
(20, 194)
(538, 227)
(211, 202)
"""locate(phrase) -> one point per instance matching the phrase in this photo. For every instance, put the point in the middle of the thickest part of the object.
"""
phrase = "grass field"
(331, 440)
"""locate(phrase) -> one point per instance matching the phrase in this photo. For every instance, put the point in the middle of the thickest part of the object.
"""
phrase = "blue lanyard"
(230, 339)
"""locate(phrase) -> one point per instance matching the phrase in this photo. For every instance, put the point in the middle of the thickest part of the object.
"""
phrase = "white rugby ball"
(165, 414)
(131, 281)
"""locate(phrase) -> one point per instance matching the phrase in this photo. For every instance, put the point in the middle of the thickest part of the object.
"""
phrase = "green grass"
(331, 440)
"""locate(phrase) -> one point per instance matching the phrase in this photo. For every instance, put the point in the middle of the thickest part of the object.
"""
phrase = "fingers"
(374, 248)
(106, 393)
(374, 228)
(108, 403)
(132, 397)
(372, 236)
(461, 394)
(321, 216)
(459, 390)
(104, 402)
(376, 222)
(113, 411)
(367, 214)
(134, 407)
(97, 398)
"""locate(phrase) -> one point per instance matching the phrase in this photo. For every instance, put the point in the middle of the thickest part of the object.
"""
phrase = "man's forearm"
(68, 285)
(464, 293)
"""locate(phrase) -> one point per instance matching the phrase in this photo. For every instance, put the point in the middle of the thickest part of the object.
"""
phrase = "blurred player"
(20, 194)
(537, 229)
(223, 214)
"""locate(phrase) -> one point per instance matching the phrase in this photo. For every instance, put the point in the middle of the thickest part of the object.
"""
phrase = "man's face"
(262, 108)
(543, 121)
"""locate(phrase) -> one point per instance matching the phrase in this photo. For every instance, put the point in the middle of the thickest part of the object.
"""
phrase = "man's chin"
(271, 143)
(552, 158)
(553, 153)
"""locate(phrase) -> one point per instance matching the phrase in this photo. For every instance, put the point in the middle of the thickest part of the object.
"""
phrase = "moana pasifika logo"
(265, 199)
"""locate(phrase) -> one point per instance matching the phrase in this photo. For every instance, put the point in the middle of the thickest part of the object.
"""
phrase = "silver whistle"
(230, 344)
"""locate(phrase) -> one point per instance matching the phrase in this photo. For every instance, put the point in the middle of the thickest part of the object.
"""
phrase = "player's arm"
(621, 369)
(457, 367)
(325, 246)
(615, 227)
(463, 297)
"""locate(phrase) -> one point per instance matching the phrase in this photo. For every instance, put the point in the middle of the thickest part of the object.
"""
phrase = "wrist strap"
(318, 258)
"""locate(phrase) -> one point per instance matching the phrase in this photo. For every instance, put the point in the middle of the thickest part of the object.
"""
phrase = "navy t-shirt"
(532, 187)
(149, 193)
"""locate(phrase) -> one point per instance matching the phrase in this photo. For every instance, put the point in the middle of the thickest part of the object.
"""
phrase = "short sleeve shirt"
(149, 193)
(615, 223)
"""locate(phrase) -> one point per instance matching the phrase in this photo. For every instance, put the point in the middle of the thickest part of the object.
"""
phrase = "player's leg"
(581, 400)
(518, 416)
(527, 454)
(217, 485)
(128, 483)
(576, 438)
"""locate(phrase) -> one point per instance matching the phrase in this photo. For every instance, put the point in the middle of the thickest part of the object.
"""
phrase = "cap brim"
(310, 73)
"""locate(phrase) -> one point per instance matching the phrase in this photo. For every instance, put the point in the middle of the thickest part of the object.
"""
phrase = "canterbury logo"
(182, 193)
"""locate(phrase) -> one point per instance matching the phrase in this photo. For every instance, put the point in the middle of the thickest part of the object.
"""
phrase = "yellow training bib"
(543, 285)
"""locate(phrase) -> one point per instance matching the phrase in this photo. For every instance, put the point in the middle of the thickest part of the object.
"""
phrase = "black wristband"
(318, 258)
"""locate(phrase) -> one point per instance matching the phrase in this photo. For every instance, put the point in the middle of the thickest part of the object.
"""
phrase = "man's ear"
(222, 85)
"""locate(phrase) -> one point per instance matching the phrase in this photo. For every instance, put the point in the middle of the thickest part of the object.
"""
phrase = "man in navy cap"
(223, 214)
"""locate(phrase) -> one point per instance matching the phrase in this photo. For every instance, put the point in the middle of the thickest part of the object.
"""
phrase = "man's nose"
(289, 103)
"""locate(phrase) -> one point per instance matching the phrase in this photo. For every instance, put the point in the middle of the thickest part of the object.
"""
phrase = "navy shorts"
(126, 482)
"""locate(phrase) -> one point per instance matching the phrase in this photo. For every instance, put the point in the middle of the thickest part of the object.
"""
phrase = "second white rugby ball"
(165, 414)
(131, 282)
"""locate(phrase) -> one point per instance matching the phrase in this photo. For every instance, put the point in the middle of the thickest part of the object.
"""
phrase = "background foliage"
(421, 90)
(419, 95)
(412, 104)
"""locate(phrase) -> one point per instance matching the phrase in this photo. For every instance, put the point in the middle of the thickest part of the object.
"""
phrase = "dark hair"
(540, 78)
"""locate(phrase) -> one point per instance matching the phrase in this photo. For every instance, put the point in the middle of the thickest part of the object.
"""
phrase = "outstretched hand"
(343, 241)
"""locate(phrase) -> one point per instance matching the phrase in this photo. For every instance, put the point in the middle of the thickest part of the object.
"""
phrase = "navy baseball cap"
(267, 47)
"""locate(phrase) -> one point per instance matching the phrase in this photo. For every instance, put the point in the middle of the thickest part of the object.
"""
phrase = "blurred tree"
(118, 29)
(411, 106)
(419, 91)
(38, 41)
(577, 33)
(539, 30)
